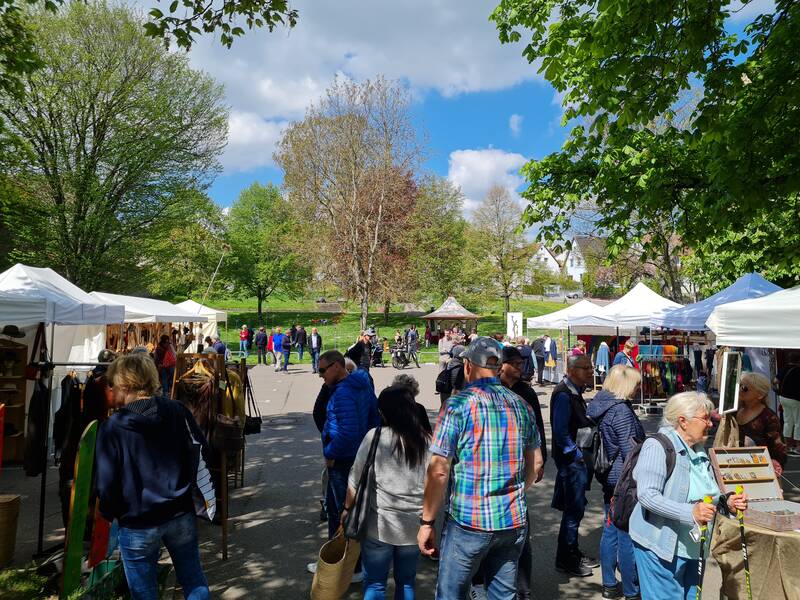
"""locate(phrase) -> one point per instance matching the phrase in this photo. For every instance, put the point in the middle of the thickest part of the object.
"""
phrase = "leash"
(701, 565)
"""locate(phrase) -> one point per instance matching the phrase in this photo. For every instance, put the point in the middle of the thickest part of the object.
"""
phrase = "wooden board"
(78, 509)
(100, 531)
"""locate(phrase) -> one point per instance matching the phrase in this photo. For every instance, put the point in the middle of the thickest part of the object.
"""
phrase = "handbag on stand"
(355, 524)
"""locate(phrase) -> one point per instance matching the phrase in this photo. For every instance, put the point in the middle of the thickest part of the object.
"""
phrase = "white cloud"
(251, 141)
(748, 10)
(515, 124)
(475, 171)
(443, 45)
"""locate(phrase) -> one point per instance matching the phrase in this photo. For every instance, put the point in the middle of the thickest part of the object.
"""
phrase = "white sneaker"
(477, 593)
(311, 567)
(357, 577)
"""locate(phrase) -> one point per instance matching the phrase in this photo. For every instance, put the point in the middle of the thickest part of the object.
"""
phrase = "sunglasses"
(744, 388)
(323, 369)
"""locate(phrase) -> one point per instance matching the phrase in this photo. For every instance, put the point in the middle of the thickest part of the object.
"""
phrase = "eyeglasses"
(706, 418)
(323, 369)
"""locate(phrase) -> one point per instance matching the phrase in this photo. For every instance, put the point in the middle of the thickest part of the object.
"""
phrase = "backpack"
(625, 493)
(443, 383)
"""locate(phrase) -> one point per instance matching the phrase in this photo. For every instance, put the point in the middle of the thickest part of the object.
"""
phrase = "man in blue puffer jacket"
(352, 411)
(620, 429)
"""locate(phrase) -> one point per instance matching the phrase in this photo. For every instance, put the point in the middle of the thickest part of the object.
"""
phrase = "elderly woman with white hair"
(665, 522)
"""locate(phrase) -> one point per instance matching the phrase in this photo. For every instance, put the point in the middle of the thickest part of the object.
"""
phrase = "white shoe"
(477, 593)
(311, 567)
(357, 577)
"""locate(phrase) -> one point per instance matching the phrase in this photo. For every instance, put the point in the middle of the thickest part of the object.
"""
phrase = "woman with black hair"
(401, 459)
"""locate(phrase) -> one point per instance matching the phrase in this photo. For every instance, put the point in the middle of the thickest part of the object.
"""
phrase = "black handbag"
(355, 523)
(252, 421)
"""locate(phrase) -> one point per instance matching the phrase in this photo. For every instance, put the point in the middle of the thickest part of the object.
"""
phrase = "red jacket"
(243, 335)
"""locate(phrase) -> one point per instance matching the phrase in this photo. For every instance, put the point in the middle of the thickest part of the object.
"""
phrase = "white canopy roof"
(633, 310)
(692, 317)
(769, 322)
(560, 318)
(199, 309)
(148, 310)
(30, 295)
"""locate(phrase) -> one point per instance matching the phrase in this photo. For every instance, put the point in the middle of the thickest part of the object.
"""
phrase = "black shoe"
(573, 567)
(589, 561)
(323, 514)
(611, 593)
(636, 597)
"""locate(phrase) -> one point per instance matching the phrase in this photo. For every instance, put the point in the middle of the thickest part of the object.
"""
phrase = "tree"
(623, 69)
(262, 233)
(114, 129)
(346, 166)
(182, 250)
(503, 251)
(437, 240)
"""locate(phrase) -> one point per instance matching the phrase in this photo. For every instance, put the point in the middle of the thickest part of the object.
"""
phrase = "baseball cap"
(510, 353)
(481, 350)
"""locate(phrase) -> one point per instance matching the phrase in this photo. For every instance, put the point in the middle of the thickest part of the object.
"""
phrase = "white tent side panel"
(559, 319)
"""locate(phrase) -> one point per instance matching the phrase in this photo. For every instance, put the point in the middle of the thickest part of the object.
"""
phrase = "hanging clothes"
(603, 360)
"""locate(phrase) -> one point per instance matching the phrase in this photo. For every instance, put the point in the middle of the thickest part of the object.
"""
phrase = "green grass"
(21, 584)
(340, 331)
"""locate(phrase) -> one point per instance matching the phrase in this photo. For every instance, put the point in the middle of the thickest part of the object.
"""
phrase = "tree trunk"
(260, 302)
(386, 306)
(507, 302)
(364, 309)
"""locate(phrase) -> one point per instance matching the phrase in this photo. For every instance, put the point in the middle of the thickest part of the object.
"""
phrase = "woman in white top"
(396, 504)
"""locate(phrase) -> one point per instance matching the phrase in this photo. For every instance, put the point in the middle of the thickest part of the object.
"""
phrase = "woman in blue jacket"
(664, 525)
(620, 429)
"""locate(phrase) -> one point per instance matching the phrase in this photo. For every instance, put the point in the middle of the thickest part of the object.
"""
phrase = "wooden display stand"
(751, 467)
(13, 386)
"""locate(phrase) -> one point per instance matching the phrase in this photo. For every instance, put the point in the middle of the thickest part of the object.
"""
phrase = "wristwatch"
(424, 522)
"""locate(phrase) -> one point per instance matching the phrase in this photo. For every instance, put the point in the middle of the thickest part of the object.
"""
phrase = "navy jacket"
(145, 465)
(261, 339)
(352, 411)
(620, 428)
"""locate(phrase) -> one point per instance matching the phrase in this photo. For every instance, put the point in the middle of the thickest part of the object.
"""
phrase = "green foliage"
(114, 129)
(262, 235)
(624, 68)
(437, 238)
(21, 584)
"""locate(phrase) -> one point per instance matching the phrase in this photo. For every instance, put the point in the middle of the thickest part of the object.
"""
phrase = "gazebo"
(451, 313)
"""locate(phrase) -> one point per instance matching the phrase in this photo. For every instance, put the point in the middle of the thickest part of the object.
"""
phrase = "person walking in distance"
(412, 340)
(315, 348)
(572, 433)
(286, 348)
(300, 342)
(277, 345)
(352, 411)
(243, 336)
(261, 340)
(538, 353)
(487, 435)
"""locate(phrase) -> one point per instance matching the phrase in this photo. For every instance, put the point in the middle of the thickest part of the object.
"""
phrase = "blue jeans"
(167, 375)
(243, 347)
(314, 360)
(463, 551)
(140, 549)
(300, 348)
(286, 354)
(660, 580)
(569, 496)
(616, 552)
(377, 557)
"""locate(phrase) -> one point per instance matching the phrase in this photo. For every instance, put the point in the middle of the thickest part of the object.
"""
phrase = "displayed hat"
(12, 331)
(511, 353)
(481, 350)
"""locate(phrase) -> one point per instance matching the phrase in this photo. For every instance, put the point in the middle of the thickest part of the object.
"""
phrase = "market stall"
(560, 318)
(145, 320)
(202, 330)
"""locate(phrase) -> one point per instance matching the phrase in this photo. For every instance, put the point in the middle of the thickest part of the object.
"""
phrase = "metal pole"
(43, 481)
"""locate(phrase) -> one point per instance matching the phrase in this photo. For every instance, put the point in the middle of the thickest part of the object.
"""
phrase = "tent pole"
(43, 480)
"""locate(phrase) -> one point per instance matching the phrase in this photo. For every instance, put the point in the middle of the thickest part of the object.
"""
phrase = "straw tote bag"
(337, 559)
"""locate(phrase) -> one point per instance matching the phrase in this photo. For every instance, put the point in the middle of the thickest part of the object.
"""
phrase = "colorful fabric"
(486, 429)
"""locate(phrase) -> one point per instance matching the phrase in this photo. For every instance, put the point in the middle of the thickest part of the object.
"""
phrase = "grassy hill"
(340, 331)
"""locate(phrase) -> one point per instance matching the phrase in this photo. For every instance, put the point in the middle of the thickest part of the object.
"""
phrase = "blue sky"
(483, 107)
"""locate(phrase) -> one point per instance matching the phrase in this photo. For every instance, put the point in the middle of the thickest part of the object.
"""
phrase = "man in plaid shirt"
(489, 435)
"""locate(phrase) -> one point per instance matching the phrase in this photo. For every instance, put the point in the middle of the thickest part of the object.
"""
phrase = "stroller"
(377, 356)
(400, 359)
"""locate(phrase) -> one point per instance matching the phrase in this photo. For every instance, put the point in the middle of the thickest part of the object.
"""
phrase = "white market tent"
(560, 318)
(208, 329)
(693, 316)
(148, 310)
(772, 321)
(629, 313)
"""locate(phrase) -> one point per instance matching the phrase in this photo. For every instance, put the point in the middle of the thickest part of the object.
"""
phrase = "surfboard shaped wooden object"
(78, 510)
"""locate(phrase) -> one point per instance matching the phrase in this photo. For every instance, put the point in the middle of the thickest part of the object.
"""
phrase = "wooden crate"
(751, 467)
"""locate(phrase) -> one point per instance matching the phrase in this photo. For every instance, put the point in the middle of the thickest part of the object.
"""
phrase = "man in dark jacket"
(571, 436)
(538, 354)
(528, 367)
(455, 372)
(300, 342)
(315, 348)
(261, 344)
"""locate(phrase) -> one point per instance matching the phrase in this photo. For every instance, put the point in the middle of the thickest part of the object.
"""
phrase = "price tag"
(222, 385)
